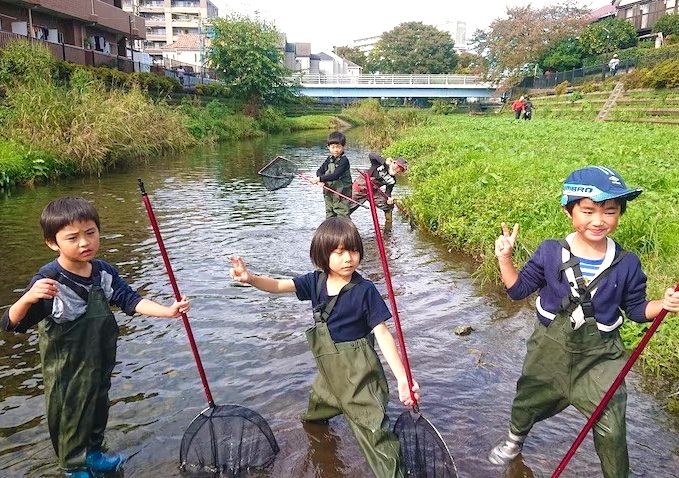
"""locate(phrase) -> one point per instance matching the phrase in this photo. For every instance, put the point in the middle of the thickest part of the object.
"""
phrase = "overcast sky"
(335, 23)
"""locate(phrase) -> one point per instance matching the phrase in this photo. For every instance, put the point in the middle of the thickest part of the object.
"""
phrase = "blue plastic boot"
(100, 462)
(78, 474)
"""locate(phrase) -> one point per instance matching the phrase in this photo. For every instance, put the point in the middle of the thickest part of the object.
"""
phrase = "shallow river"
(210, 204)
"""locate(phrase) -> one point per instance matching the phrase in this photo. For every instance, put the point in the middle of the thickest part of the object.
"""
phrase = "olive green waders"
(77, 360)
(565, 367)
(351, 381)
(334, 204)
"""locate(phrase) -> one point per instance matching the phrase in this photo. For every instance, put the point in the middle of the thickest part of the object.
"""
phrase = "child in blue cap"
(585, 282)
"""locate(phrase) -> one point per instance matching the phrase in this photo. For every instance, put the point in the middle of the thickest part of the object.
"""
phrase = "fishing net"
(227, 440)
(424, 454)
(278, 173)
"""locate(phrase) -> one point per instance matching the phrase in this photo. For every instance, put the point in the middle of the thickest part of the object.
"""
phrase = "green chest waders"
(351, 382)
(334, 204)
(77, 360)
(566, 366)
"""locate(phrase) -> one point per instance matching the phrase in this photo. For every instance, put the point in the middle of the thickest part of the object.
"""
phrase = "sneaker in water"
(504, 452)
(103, 462)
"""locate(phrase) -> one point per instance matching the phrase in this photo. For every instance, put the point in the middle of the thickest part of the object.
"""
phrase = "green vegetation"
(471, 174)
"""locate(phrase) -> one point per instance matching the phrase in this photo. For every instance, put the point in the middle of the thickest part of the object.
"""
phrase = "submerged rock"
(463, 330)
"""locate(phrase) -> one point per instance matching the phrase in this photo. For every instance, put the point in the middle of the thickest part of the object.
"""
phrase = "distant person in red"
(517, 107)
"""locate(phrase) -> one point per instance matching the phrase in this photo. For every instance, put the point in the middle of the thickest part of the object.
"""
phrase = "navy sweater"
(623, 288)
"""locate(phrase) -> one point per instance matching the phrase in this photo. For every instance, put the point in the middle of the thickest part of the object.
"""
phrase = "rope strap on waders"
(584, 289)
(323, 310)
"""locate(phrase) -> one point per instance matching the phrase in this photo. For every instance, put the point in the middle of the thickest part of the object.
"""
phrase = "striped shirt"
(590, 268)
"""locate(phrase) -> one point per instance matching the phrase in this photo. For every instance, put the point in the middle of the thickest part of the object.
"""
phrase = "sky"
(335, 23)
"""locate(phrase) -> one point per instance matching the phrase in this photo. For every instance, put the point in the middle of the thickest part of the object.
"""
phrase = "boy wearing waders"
(382, 172)
(335, 173)
(349, 314)
(585, 282)
(69, 298)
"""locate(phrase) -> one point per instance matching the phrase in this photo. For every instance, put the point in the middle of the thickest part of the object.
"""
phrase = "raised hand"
(239, 271)
(504, 244)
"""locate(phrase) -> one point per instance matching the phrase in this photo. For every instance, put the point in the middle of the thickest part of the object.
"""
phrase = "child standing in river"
(335, 173)
(69, 298)
(585, 281)
(349, 314)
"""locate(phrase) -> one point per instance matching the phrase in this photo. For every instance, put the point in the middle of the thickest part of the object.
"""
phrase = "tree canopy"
(246, 54)
(414, 48)
(668, 24)
(608, 35)
(564, 55)
(527, 33)
(353, 54)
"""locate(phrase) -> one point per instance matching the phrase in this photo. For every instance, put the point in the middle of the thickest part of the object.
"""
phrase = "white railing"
(379, 79)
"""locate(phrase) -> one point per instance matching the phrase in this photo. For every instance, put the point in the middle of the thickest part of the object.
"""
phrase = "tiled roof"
(186, 42)
(601, 12)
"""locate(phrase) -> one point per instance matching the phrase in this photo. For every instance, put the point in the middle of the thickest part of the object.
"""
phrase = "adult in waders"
(69, 298)
(585, 282)
(335, 173)
(349, 314)
(383, 173)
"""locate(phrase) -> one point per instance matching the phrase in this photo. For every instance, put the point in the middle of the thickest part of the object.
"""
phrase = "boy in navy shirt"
(69, 298)
(584, 283)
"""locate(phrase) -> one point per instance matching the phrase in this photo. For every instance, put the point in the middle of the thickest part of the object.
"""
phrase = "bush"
(271, 120)
(668, 24)
(26, 62)
(664, 75)
(443, 107)
(213, 89)
(561, 88)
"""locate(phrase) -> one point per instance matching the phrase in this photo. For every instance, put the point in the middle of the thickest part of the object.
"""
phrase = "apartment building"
(644, 13)
(166, 20)
(98, 25)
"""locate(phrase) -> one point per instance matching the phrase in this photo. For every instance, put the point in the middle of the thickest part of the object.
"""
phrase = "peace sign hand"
(504, 244)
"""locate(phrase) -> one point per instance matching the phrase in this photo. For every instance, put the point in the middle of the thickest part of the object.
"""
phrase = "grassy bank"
(470, 174)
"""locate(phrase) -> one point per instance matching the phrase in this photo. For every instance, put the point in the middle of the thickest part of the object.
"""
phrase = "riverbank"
(59, 119)
(470, 174)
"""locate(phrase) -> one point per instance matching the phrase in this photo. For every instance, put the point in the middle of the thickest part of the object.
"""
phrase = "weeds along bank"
(469, 174)
(60, 119)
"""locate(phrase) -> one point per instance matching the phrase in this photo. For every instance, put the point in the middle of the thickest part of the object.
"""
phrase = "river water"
(210, 204)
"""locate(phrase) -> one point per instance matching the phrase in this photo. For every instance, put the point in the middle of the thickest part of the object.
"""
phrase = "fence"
(577, 75)
(187, 75)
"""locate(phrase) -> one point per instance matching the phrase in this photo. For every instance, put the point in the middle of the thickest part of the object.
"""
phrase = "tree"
(527, 33)
(414, 48)
(245, 53)
(607, 36)
(353, 54)
(469, 64)
(564, 55)
(668, 24)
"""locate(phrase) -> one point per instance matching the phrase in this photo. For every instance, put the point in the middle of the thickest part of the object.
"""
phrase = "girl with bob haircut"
(349, 315)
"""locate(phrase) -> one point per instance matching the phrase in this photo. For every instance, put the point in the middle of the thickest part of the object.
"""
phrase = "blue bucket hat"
(598, 184)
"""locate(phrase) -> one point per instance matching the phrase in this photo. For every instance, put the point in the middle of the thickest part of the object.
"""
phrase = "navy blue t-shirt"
(356, 312)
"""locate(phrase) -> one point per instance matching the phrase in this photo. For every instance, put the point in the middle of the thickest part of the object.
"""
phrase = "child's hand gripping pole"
(332, 190)
(611, 391)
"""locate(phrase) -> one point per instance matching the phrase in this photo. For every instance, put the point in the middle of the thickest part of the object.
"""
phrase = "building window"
(670, 5)
(644, 9)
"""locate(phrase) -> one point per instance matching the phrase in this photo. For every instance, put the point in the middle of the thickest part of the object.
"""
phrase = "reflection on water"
(211, 204)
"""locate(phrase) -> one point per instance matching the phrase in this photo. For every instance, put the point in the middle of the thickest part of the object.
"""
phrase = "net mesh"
(278, 173)
(227, 440)
(423, 452)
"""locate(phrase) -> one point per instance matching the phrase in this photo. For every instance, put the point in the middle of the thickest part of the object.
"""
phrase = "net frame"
(424, 454)
(278, 173)
(251, 445)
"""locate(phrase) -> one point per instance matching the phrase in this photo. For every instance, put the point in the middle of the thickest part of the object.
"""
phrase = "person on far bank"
(335, 173)
(517, 108)
(527, 109)
(69, 300)
(382, 172)
(349, 316)
(585, 282)
(613, 65)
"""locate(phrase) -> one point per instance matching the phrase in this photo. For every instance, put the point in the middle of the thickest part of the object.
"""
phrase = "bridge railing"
(380, 79)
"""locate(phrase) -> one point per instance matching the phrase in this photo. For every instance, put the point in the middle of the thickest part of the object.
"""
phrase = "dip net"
(278, 173)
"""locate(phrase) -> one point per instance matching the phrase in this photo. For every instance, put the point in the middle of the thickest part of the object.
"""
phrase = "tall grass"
(471, 174)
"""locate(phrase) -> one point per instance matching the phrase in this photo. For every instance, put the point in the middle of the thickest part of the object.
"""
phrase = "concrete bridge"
(394, 86)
